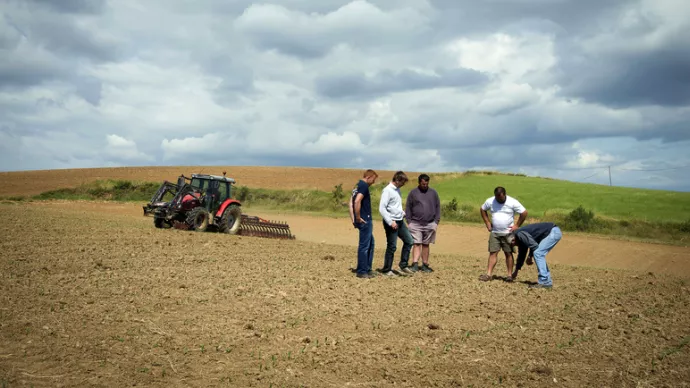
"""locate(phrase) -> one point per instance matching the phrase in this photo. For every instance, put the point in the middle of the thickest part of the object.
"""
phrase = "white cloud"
(357, 23)
(124, 150)
(508, 56)
(333, 142)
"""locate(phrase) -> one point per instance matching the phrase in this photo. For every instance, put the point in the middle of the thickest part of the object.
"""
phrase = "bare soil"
(91, 294)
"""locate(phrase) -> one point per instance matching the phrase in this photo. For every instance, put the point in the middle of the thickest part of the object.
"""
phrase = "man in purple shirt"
(423, 213)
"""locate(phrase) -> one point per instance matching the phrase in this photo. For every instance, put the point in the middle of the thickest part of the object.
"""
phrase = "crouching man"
(539, 239)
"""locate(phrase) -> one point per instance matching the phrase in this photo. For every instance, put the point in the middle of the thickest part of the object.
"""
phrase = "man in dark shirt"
(423, 213)
(360, 214)
(539, 239)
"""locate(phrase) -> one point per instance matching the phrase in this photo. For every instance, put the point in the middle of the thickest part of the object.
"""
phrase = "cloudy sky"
(555, 88)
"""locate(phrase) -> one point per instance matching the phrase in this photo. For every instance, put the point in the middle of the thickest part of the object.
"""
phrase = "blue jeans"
(540, 255)
(365, 251)
(392, 236)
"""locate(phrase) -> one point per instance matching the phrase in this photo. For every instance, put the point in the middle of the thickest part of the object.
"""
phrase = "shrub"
(338, 195)
(580, 219)
(685, 227)
(242, 193)
(450, 208)
(123, 185)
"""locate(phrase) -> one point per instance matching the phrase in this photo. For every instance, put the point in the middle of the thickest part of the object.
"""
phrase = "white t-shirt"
(502, 214)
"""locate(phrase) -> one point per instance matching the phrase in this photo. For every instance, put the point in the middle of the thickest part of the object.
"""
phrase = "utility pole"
(610, 176)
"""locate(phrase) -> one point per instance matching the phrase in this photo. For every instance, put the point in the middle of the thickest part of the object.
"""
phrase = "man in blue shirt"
(539, 239)
(360, 214)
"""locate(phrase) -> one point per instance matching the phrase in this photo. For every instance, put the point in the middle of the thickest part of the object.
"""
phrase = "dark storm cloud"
(658, 77)
(510, 155)
(21, 70)
(46, 46)
(461, 16)
(67, 38)
(359, 85)
(71, 6)
(90, 89)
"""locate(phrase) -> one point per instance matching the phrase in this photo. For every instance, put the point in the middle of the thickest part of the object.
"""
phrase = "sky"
(552, 88)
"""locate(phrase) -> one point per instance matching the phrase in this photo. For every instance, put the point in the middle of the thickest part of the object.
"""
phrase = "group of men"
(416, 224)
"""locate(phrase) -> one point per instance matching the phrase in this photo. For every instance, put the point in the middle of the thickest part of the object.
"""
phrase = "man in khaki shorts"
(501, 227)
(423, 213)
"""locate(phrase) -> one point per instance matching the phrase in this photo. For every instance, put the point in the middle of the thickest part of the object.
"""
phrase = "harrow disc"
(259, 227)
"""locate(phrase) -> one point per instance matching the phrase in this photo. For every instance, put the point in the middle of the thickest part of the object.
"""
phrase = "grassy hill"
(542, 196)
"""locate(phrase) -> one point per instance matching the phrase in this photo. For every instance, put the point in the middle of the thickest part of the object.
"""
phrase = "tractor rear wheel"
(197, 219)
(230, 220)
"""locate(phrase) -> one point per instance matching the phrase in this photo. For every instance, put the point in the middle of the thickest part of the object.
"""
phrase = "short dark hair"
(423, 177)
(499, 190)
(369, 173)
(400, 177)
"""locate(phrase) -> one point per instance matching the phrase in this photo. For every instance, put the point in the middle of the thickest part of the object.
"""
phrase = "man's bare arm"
(522, 218)
(485, 216)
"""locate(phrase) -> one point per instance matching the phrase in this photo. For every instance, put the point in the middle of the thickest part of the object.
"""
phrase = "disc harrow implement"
(259, 227)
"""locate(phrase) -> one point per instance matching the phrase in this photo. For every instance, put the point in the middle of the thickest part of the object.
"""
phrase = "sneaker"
(539, 286)
(485, 278)
(364, 276)
(389, 273)
(414, 267)
(426, 268)
(406, 270)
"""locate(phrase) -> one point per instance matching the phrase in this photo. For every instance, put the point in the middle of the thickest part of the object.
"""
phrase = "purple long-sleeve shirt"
(423, 207)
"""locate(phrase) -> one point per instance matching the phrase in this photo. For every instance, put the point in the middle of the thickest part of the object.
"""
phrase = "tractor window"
(223, 191)
(198, 183)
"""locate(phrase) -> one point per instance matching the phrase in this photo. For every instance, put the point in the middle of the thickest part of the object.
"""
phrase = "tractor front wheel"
(230, 220)
(161, 223)
(197, 219)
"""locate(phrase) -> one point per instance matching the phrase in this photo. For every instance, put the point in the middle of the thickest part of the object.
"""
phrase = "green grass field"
(542, 196)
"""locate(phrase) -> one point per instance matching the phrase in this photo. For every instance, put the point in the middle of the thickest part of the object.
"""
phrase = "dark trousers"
(392, 236)
(365, 251)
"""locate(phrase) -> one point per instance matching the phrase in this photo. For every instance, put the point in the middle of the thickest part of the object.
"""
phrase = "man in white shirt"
(501, 227)
(391, 210)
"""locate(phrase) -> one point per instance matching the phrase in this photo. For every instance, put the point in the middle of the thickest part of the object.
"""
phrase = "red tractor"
(206, 202)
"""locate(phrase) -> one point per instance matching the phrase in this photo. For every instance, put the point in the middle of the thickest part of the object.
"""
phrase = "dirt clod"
(542, 370)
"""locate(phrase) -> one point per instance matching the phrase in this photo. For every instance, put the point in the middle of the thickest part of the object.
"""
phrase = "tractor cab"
(217, 188)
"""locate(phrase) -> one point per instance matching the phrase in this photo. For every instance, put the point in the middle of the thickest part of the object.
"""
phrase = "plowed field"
(92, 295)
(36, 182)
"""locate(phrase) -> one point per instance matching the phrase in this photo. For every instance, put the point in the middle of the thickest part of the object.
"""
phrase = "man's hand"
(394, 225)
(489, 227)
(513, 228)
(360, 220)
